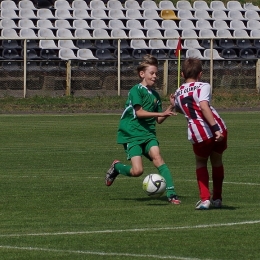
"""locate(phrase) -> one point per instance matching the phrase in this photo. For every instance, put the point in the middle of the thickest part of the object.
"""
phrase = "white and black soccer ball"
(154, 185)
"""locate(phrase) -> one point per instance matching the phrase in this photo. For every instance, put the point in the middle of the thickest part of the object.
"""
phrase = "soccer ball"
(154, 185)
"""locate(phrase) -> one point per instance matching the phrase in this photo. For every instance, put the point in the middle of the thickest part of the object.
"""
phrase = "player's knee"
(137, 172)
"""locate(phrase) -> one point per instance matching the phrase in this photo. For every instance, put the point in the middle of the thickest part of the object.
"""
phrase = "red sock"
(203, 183)
(217, 178)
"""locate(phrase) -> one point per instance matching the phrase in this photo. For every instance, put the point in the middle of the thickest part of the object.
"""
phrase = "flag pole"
(179, 67)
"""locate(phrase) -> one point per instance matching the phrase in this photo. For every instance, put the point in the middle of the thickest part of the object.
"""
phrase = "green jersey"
(133, 129)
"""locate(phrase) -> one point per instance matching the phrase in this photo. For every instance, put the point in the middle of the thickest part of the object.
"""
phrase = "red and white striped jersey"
(188, 98)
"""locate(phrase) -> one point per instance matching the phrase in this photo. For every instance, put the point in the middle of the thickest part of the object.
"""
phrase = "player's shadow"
(152, 201)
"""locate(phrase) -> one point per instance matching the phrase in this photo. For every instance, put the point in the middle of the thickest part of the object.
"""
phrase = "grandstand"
(90, 47)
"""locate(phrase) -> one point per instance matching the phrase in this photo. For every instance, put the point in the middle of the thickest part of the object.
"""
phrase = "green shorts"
(139, 149)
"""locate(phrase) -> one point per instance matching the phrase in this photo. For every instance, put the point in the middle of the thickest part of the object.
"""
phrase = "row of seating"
(129, 14)
(130, 4)
(106, 54)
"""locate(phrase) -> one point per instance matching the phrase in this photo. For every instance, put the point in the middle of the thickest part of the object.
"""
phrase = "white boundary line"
(97, 253)
(134, 229)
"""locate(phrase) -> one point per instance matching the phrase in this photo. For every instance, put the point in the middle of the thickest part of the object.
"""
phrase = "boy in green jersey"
(137, 131)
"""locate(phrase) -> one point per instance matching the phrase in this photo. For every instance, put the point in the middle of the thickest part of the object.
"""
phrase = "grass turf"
(54, 204)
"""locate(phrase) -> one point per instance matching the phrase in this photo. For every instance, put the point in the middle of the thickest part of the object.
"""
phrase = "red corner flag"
(178, 48)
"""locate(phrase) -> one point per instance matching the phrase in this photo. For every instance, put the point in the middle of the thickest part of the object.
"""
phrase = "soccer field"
(54, 204)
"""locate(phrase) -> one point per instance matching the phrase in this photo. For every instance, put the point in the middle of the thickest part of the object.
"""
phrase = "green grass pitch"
(54, 204)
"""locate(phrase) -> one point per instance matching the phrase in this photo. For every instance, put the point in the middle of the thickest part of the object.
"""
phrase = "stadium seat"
(217, 5)
(104, 54)
(80, 14)
(247, 53)
(62, 4)
(236, 15)
(62, 23)
(62, 14)
(215, 55)
(166, 5)
(186, 24)
(132, 4)
(67, 54)
(115, 5)
(31, 54)
(136, 33)
(138, 44)
(11, 54)
(172, 44)
(234, 5)
(191, 44)
(45, 14)
(8, 23)
(49, 54)
(183, 5)
(26, 23)
(100, 33)
(66, 44)
(139, 53)
(79, 5)
(134, 24)
(206, 43)
(244, 43)
(185, 14)
(98, 13)
(226, 43)
(78, 24)
(97, 24)
(64, 33)
(133, 14)
(220, 15)
(223, 33)
(30, 43)
(202, 14)
(26, 4)
(9, 13)
(48, 65)
(124, 54)
(220, 25)
(116, 13)
(200, 5)
(27, 14)
(253, 24)
(151, 14)
(47, 44)
(156, 44)
(82, 33)
(171, 33)
(97, 5)
(28, 33)
(203, 24)
(41, 4)
(151, 24)
(9, 5)
(85, 54)
(9, 33)
(169, 24)
(159, 54)
(118, 33)
(172, 54)
(11, 44)
(189, 33)
(229, 54)
(154, 33)
(123, 44)
(237, 24)
(103, 44)
(84, 44)
(194, 53)
(116, 24)
(255, 33)
(240, 33)
(168, 14)
(45, 24)
(206, 33)
(46, 33)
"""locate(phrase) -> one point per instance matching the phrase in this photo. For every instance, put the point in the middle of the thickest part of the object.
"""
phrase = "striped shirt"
(188, 98)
